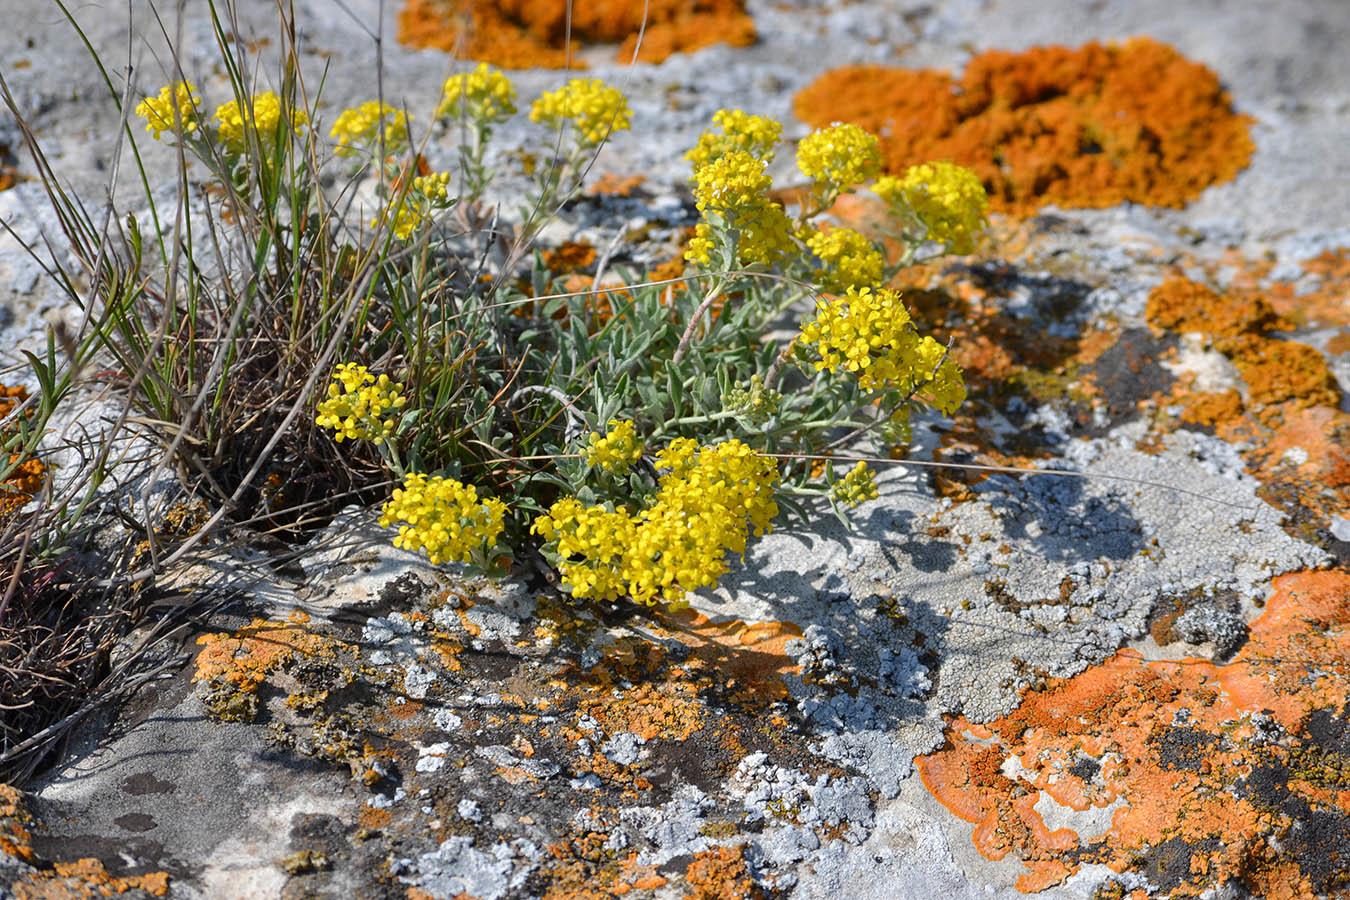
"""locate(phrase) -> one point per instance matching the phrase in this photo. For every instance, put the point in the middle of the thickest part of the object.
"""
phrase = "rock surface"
(1132, 683)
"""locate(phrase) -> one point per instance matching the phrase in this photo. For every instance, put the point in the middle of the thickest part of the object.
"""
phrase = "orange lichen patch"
(1277, 371)
(721, 874)
(1318, 302)
(373, 818)
(611, 185)
(669, 710)
(1093, 126)
(1326, 305)
(1210, 408)
(244, 659)
(1180, 304)
(86, 879)
(15, 822)
(569, 257)
(1339, 344)
(21, 484)
(754, 654)
(1205, 787)
(10, 397)
(580, 868)
(523, 34)
(26, 477)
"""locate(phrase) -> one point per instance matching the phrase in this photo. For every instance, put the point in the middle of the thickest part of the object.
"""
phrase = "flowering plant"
(638, 448)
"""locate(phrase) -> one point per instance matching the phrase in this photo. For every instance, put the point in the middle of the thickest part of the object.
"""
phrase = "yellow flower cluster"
(593, 543)
(840, 156)
(357, 402)
(175, 107)
(708, 501)
(857, 486)
(731, 181)
(404, 219)
(358, 130)
(406, 214)
(756, 135)
(435, 187)
(754, 402)
(616, 450)
(444, 517)
(948, 199)
(734, 186)
(870, 333)
(483, 95)
(593, 108)
(266, 108)
(849, 259)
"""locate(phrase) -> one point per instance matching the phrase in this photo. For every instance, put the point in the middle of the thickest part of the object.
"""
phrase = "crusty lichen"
(1211, 764)
(522, 34)
(1091, 126)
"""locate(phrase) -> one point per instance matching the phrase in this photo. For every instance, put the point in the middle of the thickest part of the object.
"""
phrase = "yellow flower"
(483, 95)
(840, 156)
(358, 130)
(230, 128)
(731, 181)
(947, 199)
(857, 486)
(708, 501)
(592, 107)
(592, 542)
(618, 449)
(443, 517)
(357, 402)
(174, 108)
(849, 259)
(731, 189)
(756, 135)
(435, 187)
(407, 213)
(870, 333)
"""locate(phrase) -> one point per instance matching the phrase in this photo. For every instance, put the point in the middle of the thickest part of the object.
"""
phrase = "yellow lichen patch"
(721, 874)
(86, 879)
(1091, 126)
(1211, 768)
(523, 34)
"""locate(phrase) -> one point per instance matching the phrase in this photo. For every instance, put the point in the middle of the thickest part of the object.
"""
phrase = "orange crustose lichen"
(1238, 772)
(15, 821)
(86, 879)
(721, 874)
(522, 34)
(25, 480)
(1275, 371)
(244, 659)
(1091, 126)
